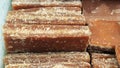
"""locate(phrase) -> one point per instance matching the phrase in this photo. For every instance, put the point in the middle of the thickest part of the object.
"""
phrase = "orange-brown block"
(24, 4)
(105, 36)
(47, 15)
(104, 61)
(51, 60)
(44, 38)
(101, 10)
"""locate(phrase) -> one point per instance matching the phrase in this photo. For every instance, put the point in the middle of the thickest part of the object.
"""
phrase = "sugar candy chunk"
(117, 51)
(46, 57)
(108, 10)
(51, 60)
(105, 36)
(51, 65)
(104, 61)
(63, 11)
(47, 15)
(44, 38)
(25, 4)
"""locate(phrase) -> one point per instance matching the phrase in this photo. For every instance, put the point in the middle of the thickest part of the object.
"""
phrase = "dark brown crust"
(97, 49)
(32, 44)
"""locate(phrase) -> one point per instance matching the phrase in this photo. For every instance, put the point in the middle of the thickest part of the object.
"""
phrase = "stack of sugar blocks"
(62, 34)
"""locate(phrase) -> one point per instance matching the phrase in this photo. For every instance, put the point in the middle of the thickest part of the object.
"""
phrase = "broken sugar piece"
(102, 10)
(51, 65)
(31, 58)
(101, 7)
(117, 51)
(47, 15)
(105, 36)
(52, 11)
(26, 4)
(52, 60)
(45, 38)
(103, 61)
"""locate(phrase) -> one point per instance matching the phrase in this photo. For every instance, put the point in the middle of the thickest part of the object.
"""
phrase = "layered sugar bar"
(102, 10)
(50, 65)
(52, 11)
(51, 60)
(47, 15)
(104, 61)
(29, 58)
(105, 36)
(24, 4)
(117, 51)
(44, 38)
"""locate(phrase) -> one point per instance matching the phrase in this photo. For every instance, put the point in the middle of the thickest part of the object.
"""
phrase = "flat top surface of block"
(52, 11)
(105, 34)
(26, 4)
(54, 31)
(48, 15)
(47, 2)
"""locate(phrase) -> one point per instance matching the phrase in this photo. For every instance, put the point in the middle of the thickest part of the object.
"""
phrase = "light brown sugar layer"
(47, 15)
(51, 60)
(25, 4)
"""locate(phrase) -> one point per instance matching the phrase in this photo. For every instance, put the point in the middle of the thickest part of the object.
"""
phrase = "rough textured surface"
(102, 10)
(47, 15)
(104, 61)
(105, 36)
(46, 57)
(42, 38)
(51, 65)
(24, 4)
(50, 60)
(52, 11)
